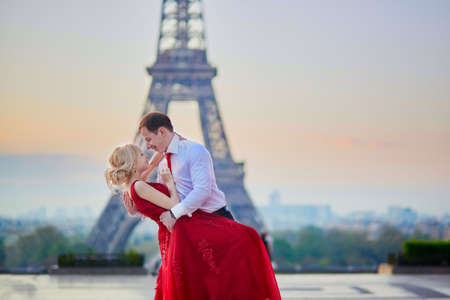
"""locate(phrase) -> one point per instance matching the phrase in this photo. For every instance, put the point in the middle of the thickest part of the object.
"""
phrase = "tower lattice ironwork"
(181, 73)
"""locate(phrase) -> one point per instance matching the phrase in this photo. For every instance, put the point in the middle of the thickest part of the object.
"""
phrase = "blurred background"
(339, 109)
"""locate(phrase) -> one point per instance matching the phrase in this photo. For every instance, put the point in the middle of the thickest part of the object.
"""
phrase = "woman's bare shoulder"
(140, 186)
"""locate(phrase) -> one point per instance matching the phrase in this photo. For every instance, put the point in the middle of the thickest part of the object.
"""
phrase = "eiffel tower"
(181, 73)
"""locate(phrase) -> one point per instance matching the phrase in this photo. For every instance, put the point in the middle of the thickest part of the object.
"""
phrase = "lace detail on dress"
(178, 273)
(207, 255)
(164, 244)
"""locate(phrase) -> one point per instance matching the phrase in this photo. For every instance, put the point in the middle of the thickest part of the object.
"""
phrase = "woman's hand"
(156, 158)
(166, 176)
(152, 164)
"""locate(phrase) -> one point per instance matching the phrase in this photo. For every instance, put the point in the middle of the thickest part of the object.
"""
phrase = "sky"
(345, 103)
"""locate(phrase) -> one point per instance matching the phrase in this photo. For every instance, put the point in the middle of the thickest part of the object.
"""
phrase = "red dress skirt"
(207, 256)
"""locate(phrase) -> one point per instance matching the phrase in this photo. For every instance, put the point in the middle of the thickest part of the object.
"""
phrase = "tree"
(346, 248)
(389, 240)
(335, 247)
(419, 235)
(309, 246)
(32, 249)
(2, 252)
(282, 251)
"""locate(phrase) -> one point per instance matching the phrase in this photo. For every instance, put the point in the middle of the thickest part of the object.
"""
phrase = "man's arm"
(201, 171)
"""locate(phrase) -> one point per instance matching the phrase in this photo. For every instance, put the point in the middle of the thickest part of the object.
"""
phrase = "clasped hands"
(167, 217)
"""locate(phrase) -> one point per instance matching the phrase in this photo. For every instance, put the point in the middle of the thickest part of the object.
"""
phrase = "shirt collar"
(173, 146)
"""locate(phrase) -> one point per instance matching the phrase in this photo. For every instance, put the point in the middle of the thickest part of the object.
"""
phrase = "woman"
(206, 256)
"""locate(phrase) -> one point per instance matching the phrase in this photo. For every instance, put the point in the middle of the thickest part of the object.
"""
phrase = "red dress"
(209, 257)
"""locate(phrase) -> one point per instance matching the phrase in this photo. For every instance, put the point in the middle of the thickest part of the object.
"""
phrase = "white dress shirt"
(193, 173)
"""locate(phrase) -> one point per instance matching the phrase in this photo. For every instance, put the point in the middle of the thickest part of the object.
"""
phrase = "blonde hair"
(121, 162)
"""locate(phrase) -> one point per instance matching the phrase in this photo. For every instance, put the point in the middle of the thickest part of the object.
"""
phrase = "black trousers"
(224, 212)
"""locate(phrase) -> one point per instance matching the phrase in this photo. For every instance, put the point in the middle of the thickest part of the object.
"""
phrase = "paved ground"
(317, 286)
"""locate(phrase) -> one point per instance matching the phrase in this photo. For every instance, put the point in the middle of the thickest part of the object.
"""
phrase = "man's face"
(154, 141)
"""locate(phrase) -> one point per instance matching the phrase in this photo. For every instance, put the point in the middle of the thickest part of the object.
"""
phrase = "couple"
(205, 254)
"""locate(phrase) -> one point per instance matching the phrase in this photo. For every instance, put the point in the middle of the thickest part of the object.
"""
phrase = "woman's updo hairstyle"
(121, 163)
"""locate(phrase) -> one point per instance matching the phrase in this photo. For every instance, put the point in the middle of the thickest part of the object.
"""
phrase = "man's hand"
(129, 204)
(167, 219)
(126, 196)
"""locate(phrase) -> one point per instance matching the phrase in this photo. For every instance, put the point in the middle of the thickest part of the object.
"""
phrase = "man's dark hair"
(154, 120)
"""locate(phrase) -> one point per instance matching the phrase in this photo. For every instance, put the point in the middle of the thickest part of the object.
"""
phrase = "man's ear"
(162, 131)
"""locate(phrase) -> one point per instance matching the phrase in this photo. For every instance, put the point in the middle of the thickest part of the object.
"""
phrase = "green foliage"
(283, 249)
(32, 249)
(416, 252)
(40, 246)
(2, 252)
(419, 235)
(66, 260)
(283, 252)
(312, 246)
(46, 244)
(416, 248)
(391, 259)
(80, 247)
(131, 258)
(389, 241)
(147, 246)
(346, 248)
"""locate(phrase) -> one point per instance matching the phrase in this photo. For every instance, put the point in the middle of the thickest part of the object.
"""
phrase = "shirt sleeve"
(201, 172)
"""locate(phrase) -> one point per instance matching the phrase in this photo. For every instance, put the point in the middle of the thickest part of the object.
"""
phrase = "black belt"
(224, 213)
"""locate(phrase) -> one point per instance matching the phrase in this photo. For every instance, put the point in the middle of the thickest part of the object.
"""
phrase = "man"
(191, 166)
